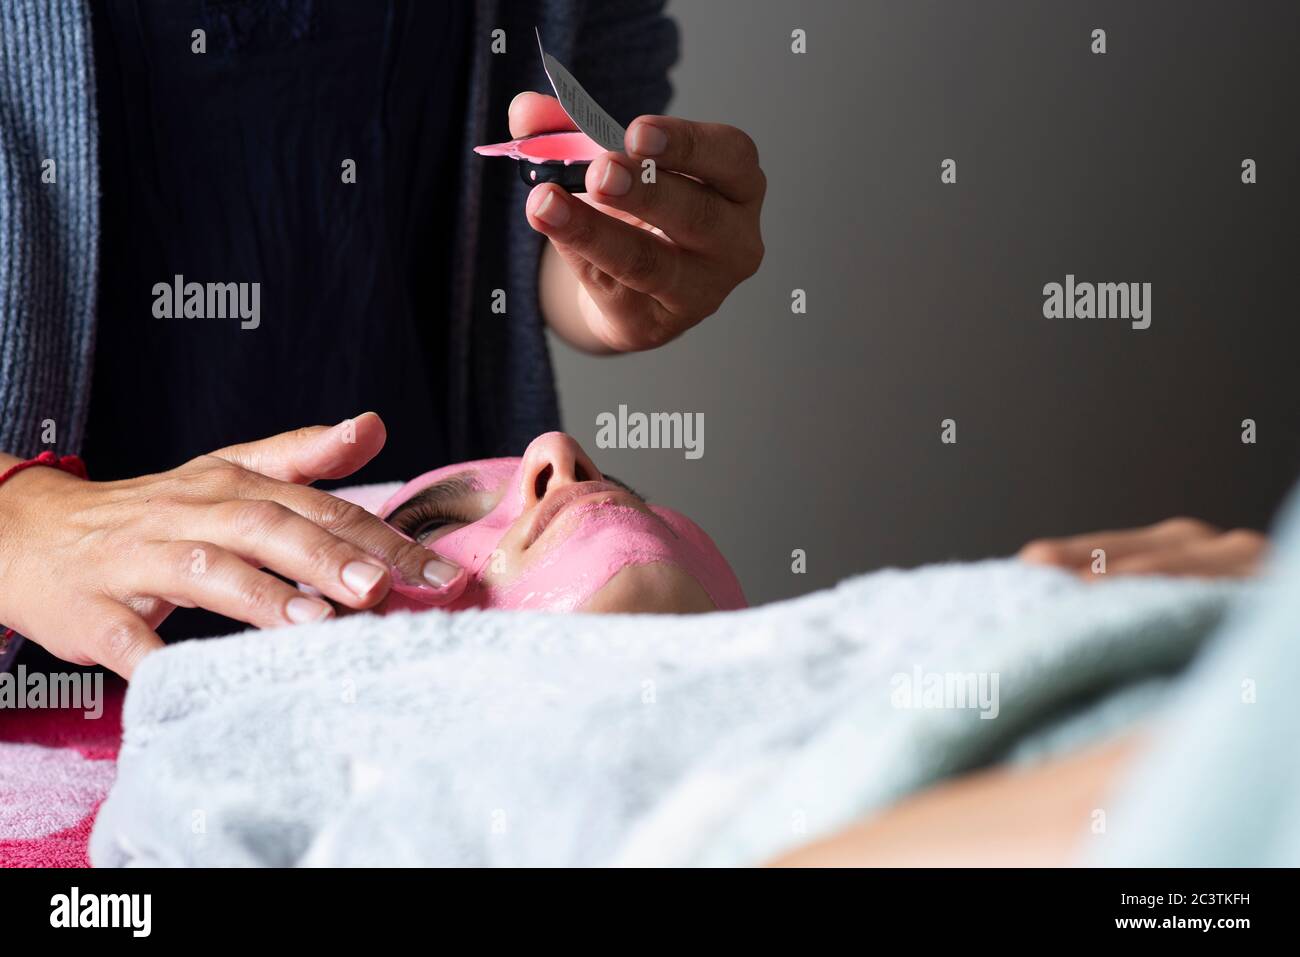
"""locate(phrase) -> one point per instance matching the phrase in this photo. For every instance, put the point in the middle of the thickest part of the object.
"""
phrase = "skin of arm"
(1002, 817)
(561, 305)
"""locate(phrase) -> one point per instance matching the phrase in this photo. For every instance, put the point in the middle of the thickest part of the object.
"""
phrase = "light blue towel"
(528, 738)
(1221, 786)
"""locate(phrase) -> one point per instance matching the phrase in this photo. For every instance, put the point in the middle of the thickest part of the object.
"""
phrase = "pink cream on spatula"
(560, 158)
(567, 147)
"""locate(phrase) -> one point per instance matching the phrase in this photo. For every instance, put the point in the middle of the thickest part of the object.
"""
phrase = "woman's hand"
(1177, 546)
(638, 263)
(89, 569)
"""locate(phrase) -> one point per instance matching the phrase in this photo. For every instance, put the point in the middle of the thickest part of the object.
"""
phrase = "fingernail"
(302, 610)
(648, 140)
(615, 181)
(347, 429)
(361, 577)
(553, 211)
(513, 100)
(439, 573)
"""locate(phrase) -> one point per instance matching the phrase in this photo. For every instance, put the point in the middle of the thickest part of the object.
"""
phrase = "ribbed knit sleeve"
(49, 228)
(49, 231)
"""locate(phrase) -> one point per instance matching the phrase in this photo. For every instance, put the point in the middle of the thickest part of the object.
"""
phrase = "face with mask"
(548, 531)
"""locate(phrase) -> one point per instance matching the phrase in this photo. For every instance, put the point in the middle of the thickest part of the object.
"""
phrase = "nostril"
(540, 483)
(580, 473)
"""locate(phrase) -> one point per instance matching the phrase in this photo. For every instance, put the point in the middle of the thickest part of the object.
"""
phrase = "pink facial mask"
(592, 542)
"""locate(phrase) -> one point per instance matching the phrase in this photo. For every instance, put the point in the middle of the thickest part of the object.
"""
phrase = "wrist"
(31, 490)
(31, 480)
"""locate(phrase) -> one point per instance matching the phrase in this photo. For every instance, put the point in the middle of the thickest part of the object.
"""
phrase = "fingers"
(1178, 546)
(1235, 554)
(276, 537)
(118, 637)
(535, 113)
(654, 255)
(694, 215)
(612, 317)
(416, 567)
(201, 574)
(722, 156)
(259, 477)
(316, 452)
(635, 257)
(1077, 551)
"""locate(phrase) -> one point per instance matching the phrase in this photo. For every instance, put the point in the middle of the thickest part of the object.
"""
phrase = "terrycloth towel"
(528, 738)
(1221, 784)
(56, 766)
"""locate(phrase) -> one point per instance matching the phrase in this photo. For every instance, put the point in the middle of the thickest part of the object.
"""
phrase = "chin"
(655, 588)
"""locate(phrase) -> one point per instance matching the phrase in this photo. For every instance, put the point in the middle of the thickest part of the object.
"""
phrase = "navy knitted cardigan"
(501, 392)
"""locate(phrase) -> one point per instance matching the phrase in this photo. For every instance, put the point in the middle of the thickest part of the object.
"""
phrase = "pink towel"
(56, 767)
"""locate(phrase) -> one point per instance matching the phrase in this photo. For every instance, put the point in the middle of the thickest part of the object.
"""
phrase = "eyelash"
(426, 518)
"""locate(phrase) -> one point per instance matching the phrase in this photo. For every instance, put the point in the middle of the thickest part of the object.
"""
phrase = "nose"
(553, 461)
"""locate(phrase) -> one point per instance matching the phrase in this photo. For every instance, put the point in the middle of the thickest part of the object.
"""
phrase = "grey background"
(822, 431)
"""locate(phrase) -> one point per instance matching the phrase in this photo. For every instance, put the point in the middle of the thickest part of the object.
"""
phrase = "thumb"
(316, 452)
(537, 113)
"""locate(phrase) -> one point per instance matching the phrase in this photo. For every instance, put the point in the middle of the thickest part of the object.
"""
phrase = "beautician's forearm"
(559, 290)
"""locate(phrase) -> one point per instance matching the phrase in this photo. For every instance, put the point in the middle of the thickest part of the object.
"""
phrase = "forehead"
(479, 475)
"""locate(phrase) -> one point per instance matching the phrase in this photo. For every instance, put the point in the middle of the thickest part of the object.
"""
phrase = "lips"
(555, 503)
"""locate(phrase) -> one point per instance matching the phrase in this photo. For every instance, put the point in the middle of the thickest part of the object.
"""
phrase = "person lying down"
(547, 531)
(772, 734)
(667, 738)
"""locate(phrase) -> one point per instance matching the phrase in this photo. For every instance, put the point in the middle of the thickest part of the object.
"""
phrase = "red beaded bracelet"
(71, 464)
(67, 463)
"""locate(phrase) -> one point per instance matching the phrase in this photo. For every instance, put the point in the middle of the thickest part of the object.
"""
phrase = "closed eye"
(419, 523)
(453, 501)
(449, 502)
(623, 485)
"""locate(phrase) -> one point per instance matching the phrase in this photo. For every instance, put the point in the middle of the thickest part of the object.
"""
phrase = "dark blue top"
(228, 167)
